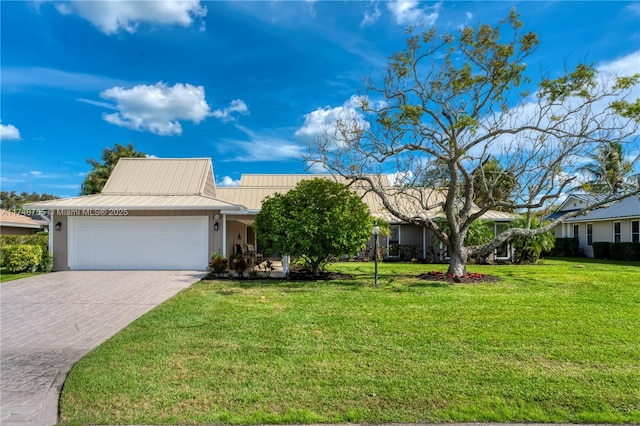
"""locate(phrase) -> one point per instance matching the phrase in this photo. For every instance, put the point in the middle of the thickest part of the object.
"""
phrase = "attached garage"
(151, 214)
(158, 242)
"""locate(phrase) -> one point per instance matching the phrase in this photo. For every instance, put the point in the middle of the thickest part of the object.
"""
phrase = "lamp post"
(375, 231)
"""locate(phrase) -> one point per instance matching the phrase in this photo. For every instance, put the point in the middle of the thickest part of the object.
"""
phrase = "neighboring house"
(618, 222)
(16, 224)
(168, 214)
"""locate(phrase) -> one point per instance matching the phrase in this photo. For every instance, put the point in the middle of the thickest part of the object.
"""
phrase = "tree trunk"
(458, 262)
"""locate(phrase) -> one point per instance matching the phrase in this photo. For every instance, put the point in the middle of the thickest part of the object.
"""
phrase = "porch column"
(224, 235)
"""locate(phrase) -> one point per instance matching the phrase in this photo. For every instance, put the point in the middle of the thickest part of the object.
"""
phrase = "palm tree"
(95, 180)
(608, 171)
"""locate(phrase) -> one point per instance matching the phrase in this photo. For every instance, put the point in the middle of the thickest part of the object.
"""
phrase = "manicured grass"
(5, 276)
(549, 343)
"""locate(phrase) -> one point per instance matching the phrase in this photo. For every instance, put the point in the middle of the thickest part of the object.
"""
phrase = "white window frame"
(589, 234)
(637, 233)
(617, 234)
(576, 231)
(507, 243)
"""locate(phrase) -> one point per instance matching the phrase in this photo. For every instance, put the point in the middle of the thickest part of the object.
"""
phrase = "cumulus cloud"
(9, 132)
(157, 108)
(410, 12)
(324, 121)
(113, 16)
(237, 106)
(227, 181)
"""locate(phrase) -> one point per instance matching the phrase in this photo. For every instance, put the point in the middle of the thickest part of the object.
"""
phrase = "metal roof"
(255, 188)
(136, 202)
(160, 176)
(9, 218)
(627, 208)
(291, 180)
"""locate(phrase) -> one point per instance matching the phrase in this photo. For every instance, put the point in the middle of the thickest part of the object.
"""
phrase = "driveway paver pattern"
(48, 322)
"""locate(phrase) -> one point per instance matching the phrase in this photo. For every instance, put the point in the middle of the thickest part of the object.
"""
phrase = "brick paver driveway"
(49, 322)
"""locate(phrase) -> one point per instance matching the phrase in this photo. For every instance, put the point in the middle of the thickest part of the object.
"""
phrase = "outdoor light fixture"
(376, 232)
(215, 226)
(58, 226)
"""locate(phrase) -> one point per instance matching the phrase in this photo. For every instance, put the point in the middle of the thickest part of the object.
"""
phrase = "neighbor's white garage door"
(142, 242)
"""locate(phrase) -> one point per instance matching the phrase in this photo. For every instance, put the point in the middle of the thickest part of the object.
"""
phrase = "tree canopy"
(14, 201)
(97, 177)
(450, 103)
(317, 220)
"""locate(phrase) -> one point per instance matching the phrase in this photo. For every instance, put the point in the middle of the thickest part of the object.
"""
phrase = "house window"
(589, 234)
(635, 231)
(394, 241)
(616, 232)
(576, 231)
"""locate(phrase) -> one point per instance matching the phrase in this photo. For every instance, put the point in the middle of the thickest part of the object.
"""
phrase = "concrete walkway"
(50, 321)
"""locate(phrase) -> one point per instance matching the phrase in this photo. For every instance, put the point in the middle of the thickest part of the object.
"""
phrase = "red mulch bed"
(469, 278)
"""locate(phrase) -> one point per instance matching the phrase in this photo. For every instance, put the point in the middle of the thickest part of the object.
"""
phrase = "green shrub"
(41, 240)
(602, 250)
(239, 264)
(218, 265)
(22, 257)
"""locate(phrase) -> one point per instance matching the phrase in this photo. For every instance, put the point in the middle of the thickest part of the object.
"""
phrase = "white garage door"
(142, 242)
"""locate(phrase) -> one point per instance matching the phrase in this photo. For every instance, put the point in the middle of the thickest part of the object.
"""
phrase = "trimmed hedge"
(566, 247)
(616, 251)
(601, 250)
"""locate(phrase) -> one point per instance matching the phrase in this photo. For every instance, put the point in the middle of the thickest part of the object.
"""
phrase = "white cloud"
(9, 132)
(316, 167)
(409, 12)
(263, 147)
(115, 15)
(323, 121)
(371, 15)
(157, 109)
(227, 181)
(17, 78)
(236, 105)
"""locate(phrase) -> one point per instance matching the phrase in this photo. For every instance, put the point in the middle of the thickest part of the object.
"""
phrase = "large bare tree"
(449, 103)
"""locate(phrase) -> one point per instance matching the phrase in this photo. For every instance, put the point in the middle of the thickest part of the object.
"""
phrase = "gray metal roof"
(627, 208)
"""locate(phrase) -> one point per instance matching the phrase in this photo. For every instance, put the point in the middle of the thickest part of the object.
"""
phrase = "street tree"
(448, 103)
(317, 220)
(97, 177)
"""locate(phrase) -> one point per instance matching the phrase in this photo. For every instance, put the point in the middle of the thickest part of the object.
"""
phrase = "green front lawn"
(550, 343)
(6, 276)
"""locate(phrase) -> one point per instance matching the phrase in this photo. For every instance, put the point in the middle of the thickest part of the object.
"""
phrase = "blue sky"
(244, 83)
